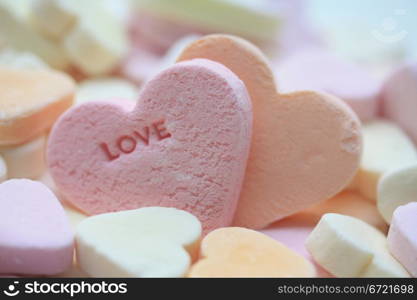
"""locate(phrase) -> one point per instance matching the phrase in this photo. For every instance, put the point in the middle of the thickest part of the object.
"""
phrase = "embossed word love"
(127, 143)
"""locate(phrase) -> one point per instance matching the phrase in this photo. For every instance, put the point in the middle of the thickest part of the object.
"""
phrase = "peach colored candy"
(351, 204)
(241, 252)
(306, 145)
(184, 145)
(41, 95)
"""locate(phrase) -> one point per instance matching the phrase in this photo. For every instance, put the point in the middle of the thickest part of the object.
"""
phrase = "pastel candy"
(402, 237)
(338, 77)
(147, 242)
(107, 88)
(296, 137)
(255, 20)
(97, 43)
(35, 236)
(386, 147)
(17, 33)
(93, 37)
(351, 204)
(293, 232)
(241, 252)
(26, 160)
(54, 18)
(42, 96)
(348, 247)
(397, 187)
(399, 98)
(184, 145)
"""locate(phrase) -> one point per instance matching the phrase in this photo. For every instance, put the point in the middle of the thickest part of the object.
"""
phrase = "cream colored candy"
(103, 89)
(26, 160)
(3, 170)
(54, 18)
(252, 19)
(348, 247)
(147, 242)
(386, 147)
(397, 187)
(97, 43)
(20, 8)
(241, 252)
(16, 33)
(21, 60)
(94, 38)
(30, 102)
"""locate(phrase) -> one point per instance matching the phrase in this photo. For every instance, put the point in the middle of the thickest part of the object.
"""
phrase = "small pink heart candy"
(35, 235)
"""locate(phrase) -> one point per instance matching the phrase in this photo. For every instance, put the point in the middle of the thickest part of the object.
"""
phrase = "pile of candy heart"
(210, 144)
(213, 169)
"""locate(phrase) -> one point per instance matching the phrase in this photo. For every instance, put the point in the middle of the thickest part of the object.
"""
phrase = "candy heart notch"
(241, 252)
(35, 235)
(306, 145)
(146, 242)
(184, 145)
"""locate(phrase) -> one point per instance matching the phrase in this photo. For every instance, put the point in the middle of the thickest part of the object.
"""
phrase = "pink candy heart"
(184, 145)
(35, 234)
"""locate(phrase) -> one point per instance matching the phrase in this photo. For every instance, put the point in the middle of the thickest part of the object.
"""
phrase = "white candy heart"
(348, 247)
(147, 242)
(396, 188)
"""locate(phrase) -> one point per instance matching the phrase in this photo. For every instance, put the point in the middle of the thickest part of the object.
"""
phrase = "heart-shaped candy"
(146, 242)
(35, 235)
(306, 145)
(30, 102)
(396, 188)
(348, 247)
(241, 252)
(184, 145)
(402, 237)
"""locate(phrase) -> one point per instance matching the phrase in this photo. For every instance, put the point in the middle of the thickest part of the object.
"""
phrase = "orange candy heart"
(306, 145)
(240, 252)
